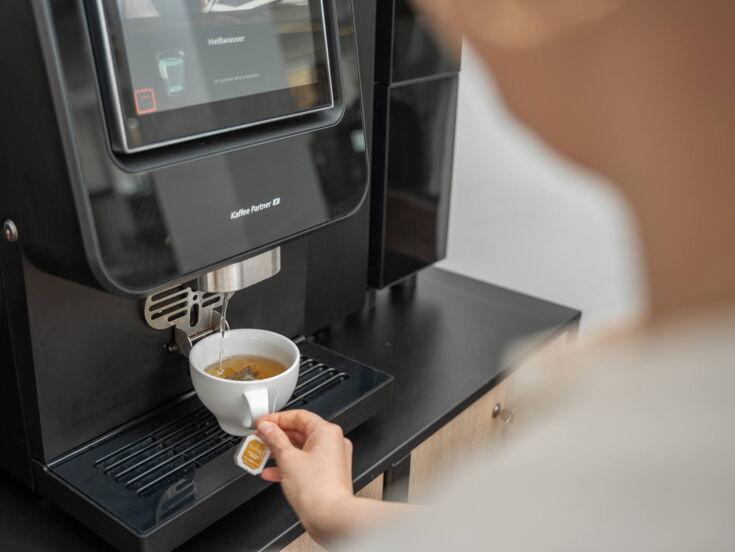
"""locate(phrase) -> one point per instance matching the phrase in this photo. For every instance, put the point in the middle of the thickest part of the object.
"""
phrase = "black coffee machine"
(158, 155)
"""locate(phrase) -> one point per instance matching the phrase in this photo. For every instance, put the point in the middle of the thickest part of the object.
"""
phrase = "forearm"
(349, 515)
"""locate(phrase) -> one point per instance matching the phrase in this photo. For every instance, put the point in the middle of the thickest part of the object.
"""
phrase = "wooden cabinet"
(306, 544)
(475, 428)
(484, 424)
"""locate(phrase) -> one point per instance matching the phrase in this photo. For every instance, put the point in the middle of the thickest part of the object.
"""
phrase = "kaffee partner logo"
(247, 211)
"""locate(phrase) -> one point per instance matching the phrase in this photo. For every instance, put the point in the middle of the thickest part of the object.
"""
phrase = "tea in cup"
(257, 376)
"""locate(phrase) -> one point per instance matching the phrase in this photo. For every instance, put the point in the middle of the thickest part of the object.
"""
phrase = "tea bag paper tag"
(252, 455)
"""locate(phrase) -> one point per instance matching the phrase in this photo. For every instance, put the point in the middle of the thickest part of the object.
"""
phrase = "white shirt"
(624, 446)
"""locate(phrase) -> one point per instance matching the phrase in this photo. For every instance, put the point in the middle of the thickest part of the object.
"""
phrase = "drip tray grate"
(171, 452)
(163, 475)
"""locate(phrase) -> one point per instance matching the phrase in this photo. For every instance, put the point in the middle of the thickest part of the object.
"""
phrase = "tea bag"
(246, 374)
(252, 455)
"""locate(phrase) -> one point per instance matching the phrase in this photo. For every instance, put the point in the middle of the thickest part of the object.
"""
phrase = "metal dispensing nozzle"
(192, 312)
(237, 276)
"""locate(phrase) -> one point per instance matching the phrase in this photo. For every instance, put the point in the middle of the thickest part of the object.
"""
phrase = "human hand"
(314, 467)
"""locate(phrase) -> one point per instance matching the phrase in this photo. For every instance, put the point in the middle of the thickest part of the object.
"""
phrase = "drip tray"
(153, 485)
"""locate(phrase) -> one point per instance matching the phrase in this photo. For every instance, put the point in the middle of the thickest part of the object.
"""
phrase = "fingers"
(272, 474)
(297, 438)
(275, 438)
(304, 429)
(296, 420)
(348, 450)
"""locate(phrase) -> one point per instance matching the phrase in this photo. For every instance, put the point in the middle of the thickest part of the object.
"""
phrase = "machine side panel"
(15, 457)
(415, 103)
(35, 190)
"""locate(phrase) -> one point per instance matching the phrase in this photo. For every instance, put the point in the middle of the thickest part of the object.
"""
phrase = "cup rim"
(295, 364)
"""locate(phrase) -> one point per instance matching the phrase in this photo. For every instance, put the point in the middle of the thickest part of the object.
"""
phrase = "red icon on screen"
(145, 101)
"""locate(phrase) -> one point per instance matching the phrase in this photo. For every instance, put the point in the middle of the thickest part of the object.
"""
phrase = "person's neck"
(688, 236)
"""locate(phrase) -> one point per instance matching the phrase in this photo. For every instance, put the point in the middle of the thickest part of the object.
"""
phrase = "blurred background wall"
(525, 219)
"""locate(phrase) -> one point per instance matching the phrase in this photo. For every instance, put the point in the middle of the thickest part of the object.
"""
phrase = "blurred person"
(627, 443)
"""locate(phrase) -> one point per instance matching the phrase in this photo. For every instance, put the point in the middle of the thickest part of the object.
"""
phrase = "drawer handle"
(505, 414)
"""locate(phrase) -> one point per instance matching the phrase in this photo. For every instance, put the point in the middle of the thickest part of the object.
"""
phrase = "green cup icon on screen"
(171, 68)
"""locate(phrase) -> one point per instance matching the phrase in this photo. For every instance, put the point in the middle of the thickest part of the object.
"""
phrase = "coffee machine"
(159, 156)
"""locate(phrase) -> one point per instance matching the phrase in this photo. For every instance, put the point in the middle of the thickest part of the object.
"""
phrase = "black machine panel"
(413, 177)
(415, 108)
(412, 52)
(15, 459)
(135, 222)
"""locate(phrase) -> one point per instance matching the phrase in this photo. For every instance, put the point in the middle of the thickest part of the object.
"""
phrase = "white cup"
(237, 405)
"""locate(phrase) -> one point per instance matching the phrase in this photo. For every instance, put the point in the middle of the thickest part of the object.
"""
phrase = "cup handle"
(257, 401)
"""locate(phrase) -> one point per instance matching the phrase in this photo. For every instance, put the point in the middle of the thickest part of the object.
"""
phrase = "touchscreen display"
(202, 57)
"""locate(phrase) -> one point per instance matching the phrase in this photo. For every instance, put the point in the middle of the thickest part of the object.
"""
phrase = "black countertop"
(444, 342)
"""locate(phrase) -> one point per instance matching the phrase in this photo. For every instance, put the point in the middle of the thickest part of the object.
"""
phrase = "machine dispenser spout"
(192, 312)
(237, 276)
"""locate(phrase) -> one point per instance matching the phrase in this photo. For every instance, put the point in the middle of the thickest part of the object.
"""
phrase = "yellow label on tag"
(252, 455)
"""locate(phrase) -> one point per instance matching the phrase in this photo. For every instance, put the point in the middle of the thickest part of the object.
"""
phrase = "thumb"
(275, 438)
